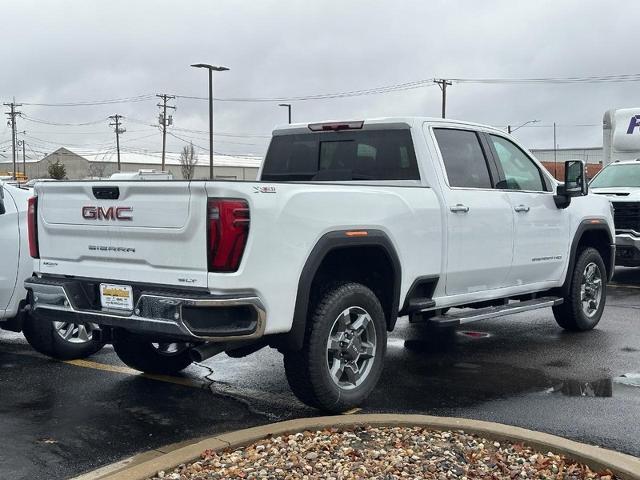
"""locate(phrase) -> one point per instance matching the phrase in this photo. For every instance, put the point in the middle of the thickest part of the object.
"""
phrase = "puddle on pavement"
(574, 388)
(602, 388)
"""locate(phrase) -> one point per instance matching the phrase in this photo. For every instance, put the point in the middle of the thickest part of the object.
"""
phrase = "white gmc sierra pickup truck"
(350, 225)
(620, 182)
(61, 340)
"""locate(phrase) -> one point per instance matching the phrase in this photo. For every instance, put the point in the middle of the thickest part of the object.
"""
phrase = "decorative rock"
(382, 453)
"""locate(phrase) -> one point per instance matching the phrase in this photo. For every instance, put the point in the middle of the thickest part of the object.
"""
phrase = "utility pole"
(164, 121)
(443, 83)
(119, 129)
(288, 105)
(24, 163)
(12, 123)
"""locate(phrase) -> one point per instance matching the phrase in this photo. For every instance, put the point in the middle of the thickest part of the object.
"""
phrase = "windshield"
(627, 175)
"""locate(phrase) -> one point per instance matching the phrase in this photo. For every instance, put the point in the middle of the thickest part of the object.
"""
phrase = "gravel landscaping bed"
(383, 453)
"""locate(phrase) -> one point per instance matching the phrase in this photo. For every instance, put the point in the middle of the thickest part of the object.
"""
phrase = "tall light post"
(511, 130)
(288, 105)
(211, 69)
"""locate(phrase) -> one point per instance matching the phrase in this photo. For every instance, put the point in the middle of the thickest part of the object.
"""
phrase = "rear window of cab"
(342, 156)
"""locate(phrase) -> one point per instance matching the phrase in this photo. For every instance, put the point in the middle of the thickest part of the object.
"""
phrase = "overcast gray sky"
(70, 51)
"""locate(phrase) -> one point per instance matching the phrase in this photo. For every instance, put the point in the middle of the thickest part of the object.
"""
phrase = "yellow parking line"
(352, 411)
(619, 285)
(187, 382)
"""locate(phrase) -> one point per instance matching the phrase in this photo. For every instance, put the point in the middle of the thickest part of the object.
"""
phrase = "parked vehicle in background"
(351, 225)
(621, 135)
(57, 339)
(620, 182)
(142, 174)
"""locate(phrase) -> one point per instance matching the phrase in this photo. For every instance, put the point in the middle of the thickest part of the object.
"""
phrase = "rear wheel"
(583, 306)
(342, 357)
(149, 357)
(61, 340)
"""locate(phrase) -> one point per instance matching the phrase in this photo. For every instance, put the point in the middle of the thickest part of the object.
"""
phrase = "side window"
(519, 170)
(463, 158)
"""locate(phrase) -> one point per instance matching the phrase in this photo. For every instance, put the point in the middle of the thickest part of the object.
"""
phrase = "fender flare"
(329, 242)
(588, 225)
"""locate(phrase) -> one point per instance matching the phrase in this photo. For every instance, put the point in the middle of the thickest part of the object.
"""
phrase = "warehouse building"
(236, 167)
(100, 166)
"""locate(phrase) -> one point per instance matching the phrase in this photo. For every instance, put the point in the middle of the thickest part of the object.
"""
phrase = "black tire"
(43, 336)
(144, 356)
(307, 370)
(570, 315)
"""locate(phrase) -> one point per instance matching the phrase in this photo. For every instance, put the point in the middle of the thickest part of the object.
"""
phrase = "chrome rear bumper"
(186, 315)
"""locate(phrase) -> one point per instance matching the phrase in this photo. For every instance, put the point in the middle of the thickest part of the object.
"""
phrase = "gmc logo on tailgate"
(111, 213)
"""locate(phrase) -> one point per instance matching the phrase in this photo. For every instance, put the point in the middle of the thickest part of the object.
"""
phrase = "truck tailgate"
(148, 232)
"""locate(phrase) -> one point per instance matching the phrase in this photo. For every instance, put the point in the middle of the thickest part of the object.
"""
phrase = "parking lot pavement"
(60, 419)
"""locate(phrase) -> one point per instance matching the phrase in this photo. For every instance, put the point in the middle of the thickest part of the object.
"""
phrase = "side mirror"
(2, 209)
(575, 183)
(575, 179)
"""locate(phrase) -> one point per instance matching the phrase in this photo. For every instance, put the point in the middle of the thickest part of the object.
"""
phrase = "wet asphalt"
(58, 420)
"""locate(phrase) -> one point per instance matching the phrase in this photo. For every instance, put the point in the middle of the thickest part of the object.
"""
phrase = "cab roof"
(376, 123)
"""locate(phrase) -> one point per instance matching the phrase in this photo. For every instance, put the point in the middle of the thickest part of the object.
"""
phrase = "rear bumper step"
(475, 315)
(193, 316)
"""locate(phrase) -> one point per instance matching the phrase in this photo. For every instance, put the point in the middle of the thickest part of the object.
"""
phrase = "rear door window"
(342, 156)
(464, 160)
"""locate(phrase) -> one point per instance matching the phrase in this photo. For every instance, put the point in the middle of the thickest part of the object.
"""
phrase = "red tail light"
(32, 226)
(228, 227)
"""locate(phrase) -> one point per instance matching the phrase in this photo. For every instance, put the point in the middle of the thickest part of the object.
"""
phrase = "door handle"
(521, 208)
(459, 208)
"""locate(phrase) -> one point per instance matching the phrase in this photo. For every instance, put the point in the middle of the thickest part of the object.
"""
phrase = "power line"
(48, 122)
(137, 98)
(633, 77)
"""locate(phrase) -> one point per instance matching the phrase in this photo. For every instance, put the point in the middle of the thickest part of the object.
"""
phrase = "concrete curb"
(142, 466)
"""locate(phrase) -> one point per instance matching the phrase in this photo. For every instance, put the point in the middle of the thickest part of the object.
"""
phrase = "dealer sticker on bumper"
(116, 296)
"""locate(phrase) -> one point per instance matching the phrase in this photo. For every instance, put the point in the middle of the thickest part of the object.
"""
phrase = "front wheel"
(61, 340)
(149, 357)
(583, 305)
(344, 348)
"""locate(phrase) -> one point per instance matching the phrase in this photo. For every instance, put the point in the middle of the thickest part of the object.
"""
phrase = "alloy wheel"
(351, 348)
(591, 289)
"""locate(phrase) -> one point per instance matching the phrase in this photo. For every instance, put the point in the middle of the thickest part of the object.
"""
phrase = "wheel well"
(368, 265)
(369, 259)
(598, 239)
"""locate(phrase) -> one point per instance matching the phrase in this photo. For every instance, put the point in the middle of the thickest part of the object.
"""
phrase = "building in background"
(100, 166)
(239, 167)
(553, 160)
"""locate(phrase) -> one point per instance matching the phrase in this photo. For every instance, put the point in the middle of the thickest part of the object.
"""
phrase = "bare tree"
(188, 160)
(96, 170)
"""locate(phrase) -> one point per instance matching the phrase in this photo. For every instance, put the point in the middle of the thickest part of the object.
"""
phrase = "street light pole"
(211, 69)
(288, 105)
(511, 130)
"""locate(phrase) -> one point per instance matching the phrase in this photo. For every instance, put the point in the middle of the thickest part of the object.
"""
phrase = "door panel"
(479, 218)
(541, 230)
(10, 248)
(541, 238)
(480, 241)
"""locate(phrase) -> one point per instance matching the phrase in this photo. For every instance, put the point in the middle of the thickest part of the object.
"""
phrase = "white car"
(620, 182)
(350, 225)
(62, 340)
